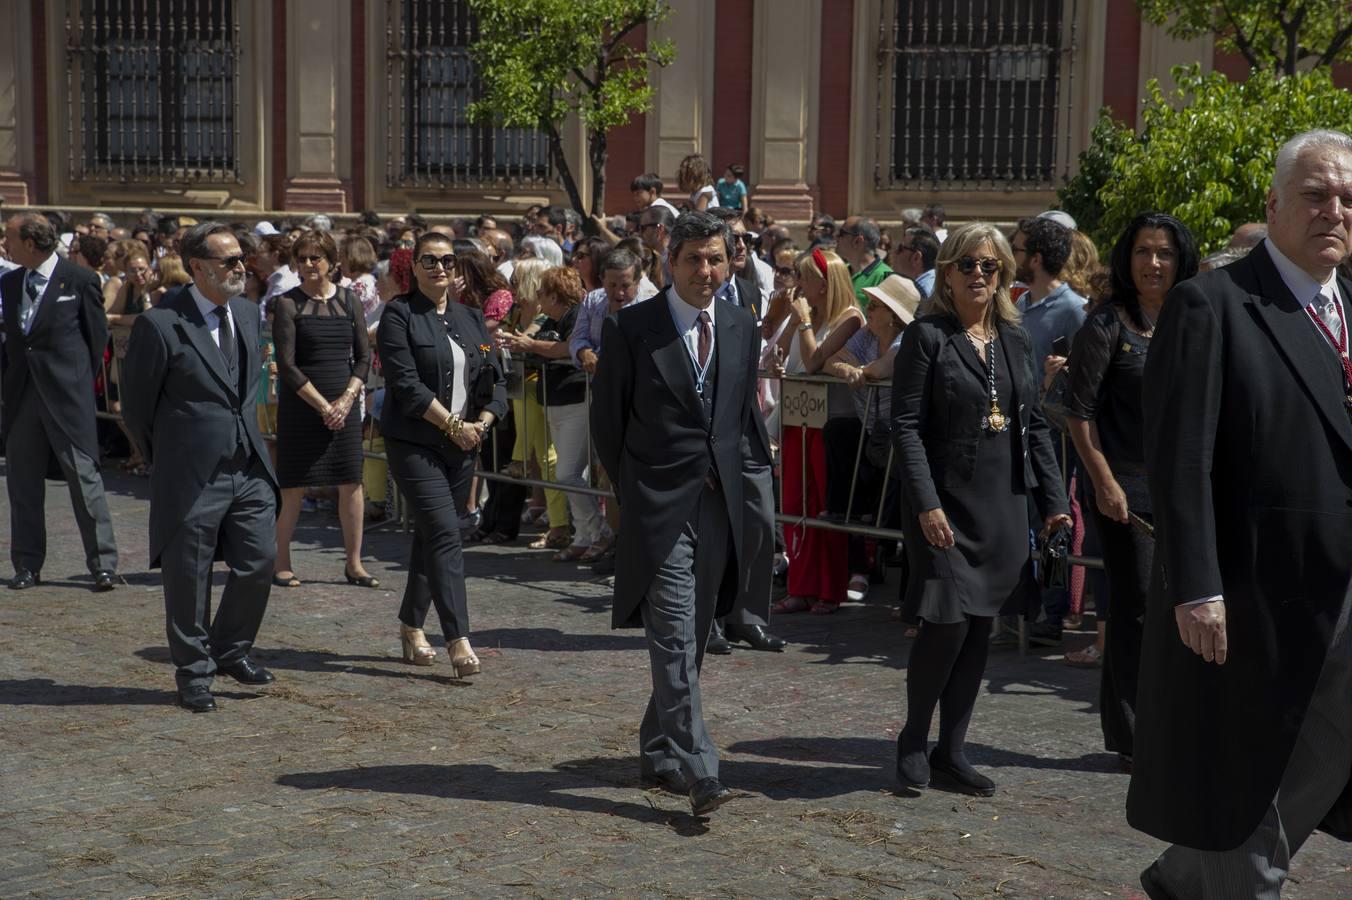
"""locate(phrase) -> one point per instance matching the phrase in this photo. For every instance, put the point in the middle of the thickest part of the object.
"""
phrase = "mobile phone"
(1061, 346)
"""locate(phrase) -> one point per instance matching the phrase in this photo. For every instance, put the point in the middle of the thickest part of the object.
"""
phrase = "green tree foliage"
(1205, 153)
(1281, 35)
(541, 60)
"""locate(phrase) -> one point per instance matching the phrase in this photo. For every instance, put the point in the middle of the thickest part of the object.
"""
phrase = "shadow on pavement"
(324, 661)
(860, 751)
(554, 639)
(494, 785)
(45, 692)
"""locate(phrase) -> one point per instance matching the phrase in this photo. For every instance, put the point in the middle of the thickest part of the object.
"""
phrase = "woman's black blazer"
(416, 360)
(940, 396)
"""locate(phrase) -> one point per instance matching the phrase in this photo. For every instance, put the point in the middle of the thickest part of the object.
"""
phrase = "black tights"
(947, 662)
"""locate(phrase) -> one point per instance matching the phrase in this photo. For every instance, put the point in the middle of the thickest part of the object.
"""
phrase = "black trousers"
(1127, 557)
(435, 482)
(236, 518)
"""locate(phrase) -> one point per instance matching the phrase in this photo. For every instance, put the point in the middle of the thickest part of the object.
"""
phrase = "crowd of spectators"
(833, 301)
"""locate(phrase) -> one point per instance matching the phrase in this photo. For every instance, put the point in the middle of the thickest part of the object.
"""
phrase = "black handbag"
(1053, 558)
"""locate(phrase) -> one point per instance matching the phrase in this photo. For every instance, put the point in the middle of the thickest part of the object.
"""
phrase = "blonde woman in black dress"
(972, 444)
(323, 356)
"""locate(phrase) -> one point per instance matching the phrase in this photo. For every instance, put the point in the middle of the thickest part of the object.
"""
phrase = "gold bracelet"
(449, 423)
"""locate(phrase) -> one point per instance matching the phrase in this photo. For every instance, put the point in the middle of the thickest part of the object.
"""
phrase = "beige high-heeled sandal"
(464, 663)
(416, 649)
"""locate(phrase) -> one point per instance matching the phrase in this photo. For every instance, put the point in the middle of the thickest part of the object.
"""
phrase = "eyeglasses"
(430, 262)
(310, 260)
(874, 305)
(644, 226)
(229, 262)
(988, 265)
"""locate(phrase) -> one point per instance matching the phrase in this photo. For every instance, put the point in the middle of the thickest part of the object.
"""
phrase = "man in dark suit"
(748, 620)
(1244, 718)
(671, 401)
(56, 333)
(189, 387)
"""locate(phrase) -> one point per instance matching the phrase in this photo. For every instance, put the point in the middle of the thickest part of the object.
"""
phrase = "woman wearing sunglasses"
(444, 389)
(972, 444)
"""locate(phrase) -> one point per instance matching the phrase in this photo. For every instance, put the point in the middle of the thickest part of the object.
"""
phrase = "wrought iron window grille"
(431, 81)
(978, 94)
(153, 87)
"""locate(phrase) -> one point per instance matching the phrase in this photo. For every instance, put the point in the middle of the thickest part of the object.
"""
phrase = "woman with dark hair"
(586, 258)
(1106, 421)
(444, 389)
(323, 356)
(483, 287)
(973, 446)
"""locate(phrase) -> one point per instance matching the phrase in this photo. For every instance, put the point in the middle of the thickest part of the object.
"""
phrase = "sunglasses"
(988, 266)
(905, 248)
(229, 262)
(786, 271)
(430, 262)
(743, 239)
(310, 260)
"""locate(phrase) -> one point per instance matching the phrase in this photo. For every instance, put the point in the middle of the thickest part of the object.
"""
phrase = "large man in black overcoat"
(670, 416)
(1244, 718)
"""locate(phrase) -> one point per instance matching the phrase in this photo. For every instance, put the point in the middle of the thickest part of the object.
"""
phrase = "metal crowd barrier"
(802, 400)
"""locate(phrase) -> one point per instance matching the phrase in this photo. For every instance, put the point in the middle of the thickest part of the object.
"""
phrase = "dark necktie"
(706, 338)
(227, 337)
(32, 292)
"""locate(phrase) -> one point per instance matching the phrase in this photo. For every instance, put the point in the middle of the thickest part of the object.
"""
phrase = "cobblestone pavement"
(356, 775)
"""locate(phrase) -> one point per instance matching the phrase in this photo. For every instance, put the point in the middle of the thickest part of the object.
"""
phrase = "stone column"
(784, 101)
(1160, 52)
(318, 41)
(17, 120)
(682, 119)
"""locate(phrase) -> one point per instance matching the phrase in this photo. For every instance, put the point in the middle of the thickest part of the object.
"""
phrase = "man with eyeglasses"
(914, 255)
(189, 390)
(857, 242)
(56, 332)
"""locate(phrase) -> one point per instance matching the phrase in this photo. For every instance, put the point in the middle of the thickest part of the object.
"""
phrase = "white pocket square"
(65, 298)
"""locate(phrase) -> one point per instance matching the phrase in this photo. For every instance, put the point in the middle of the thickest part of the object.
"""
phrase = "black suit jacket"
(936, 426)
(1249, 451)
(183, 409)
(62, 352)
(416, 360)
(651, 435)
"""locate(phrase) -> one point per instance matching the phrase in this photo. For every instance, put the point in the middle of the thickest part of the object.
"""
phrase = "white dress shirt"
(687, 326)
(208, 311)
(44, 270)
(459, 379)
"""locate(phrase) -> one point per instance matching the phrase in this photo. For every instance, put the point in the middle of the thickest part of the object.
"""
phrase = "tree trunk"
(561, 167)
(598, 153)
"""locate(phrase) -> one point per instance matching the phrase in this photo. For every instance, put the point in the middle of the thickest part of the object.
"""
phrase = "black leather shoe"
(670, 780)
(718, 645)
(959, 775)
(105, 580)
(1153, 884)
(707, 795)
(24, 578)
(196, 698)
(246, 671)
(756, 636)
